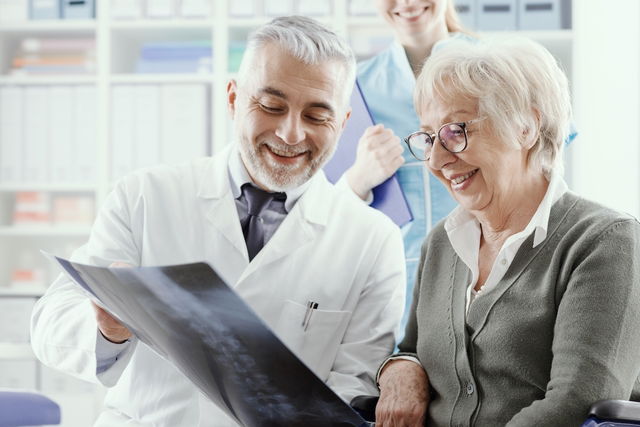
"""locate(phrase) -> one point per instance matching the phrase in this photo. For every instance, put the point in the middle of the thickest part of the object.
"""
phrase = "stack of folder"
(175, 57)
(55, 56)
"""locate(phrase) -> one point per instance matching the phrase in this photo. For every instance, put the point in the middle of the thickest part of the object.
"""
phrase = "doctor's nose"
(291, 130)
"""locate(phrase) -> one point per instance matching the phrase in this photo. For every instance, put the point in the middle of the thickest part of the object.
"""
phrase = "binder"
(14, 10)
(388, 196)
(122, 125)
(278, 7)
(61, 106)
(467, 12)
(18, 374)
(146, 128)
(242, 8)
(44, 9)
(11, 133)
(160, 8)
(123, 9)
(36, 134)
(183, 129)
(314, 8)
(78, 9)
(196, 8)
(497, 15)
(539, 15)
(15, 318)
(84, 134)
(362, 8)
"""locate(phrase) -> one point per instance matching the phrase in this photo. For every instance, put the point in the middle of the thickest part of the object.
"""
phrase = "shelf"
(198, 23)
(48, 80)
(22, 291)
(49, 26)
(239, 22)
(538, 35)
(11, 351)
(162, 78)
(44, 231)
(365, 21)
(59, 188)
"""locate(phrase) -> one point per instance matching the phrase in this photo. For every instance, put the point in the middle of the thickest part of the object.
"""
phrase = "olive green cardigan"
(560, 331)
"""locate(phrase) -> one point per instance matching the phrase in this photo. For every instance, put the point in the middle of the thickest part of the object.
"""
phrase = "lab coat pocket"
(318, 344)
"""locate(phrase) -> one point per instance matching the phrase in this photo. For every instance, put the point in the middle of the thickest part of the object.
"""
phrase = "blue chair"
(21, 408)
(605, 413)
(610, 413)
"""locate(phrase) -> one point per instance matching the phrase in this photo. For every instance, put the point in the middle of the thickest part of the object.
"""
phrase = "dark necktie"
(252, 226)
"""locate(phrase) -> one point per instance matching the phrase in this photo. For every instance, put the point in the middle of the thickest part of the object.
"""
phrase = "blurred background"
(92, 89)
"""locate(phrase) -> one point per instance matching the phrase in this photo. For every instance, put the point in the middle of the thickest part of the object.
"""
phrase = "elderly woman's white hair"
(305, 39)
(518, 84)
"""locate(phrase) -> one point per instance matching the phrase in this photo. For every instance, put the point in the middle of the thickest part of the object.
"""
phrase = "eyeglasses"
(452, 137)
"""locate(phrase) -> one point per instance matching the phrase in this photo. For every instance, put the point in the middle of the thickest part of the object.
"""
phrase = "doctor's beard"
(277, 176)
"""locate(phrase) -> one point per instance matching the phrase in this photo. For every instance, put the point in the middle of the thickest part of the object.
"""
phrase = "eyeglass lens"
(451, 135)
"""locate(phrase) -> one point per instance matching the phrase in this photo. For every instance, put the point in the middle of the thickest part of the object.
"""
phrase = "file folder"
(14, 10)
(278, 7)
(78, 9)
(467, 12)
(496, 15)
(388, 196)
(44, 9)
(539, 15)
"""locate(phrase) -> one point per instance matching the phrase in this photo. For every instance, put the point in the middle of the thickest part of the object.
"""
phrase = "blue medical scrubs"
(387, 83)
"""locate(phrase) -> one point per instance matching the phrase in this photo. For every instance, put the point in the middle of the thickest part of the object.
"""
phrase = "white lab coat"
(330, 248)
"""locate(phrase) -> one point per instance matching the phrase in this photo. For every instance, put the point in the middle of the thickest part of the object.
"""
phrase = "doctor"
(289, 104)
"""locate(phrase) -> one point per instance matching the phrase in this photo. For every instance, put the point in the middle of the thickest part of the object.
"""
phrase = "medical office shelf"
(115, 65)
(11, 351)
(24, 80)
(48, 187)
(49, 26)
(116, 25)
(114, 62)
(44, 231)
(161, 78)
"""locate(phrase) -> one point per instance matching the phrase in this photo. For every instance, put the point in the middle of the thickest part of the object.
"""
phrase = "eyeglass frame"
(435, 135)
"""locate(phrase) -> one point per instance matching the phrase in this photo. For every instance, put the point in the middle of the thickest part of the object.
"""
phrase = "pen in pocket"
(307, 315)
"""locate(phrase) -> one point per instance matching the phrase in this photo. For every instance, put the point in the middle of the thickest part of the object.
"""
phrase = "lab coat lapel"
(301, 227)
(229, 250)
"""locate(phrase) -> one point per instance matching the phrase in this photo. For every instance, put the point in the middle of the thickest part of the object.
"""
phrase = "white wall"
(606, 73)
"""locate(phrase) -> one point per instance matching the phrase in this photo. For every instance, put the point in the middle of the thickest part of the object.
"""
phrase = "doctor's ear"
(232, 97)
(346, 119)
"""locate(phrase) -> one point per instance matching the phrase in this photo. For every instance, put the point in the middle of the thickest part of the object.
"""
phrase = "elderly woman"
(526, 308)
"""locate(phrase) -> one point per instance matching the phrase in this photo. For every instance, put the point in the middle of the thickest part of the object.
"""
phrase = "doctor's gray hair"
(306, 40)
(519, 87)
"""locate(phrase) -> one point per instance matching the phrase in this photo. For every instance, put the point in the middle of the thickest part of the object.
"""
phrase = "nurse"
(387, 81)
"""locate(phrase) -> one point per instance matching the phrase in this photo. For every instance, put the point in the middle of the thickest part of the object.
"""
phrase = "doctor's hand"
(110, 328)
(404, 395)
(379, 155)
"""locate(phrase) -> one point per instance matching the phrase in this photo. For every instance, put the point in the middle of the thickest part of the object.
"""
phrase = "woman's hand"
(379, 155)
(109, 326)
(404, 395)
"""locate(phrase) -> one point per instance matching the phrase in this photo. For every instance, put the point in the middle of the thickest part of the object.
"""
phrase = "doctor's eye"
(271, 108)
(315, 118)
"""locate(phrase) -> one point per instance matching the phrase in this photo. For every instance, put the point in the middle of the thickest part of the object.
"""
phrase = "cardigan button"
(470, 389)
